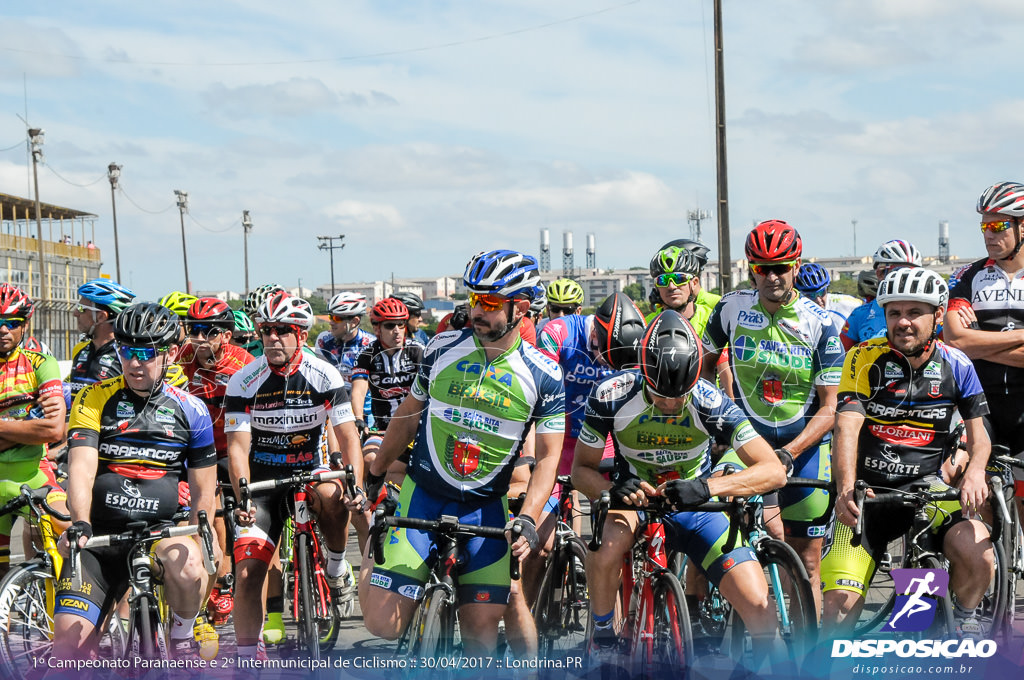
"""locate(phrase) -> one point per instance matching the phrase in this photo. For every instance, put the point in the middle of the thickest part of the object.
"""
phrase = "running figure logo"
(916, 593)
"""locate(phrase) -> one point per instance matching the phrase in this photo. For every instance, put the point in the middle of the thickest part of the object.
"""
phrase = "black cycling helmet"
(146, 323)
(670, 356)
(696, 247)
(413, 302)
(867, 283)
(619, 327)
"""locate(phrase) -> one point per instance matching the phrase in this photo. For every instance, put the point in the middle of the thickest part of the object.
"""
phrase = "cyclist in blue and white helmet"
(95, 358)
(500, 280)
(813, 281)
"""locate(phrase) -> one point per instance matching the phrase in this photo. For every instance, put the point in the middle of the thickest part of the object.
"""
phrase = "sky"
(426, 131)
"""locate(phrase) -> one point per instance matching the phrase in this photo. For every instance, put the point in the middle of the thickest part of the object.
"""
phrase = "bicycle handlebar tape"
(380, 531)
(860, 491)
(206, 543)
(598, 513)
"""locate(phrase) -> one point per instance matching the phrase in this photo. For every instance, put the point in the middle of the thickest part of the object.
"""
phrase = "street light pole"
(246, 228)
(327, 243)
(36, 137)
(182, 208)
(724, 256)
(113, 174)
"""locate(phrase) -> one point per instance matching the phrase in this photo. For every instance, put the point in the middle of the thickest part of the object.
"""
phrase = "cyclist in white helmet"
(867, 321)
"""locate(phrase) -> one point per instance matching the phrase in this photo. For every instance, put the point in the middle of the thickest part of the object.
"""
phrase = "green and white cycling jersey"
(777, 360)
(478, 412)
(656, 447)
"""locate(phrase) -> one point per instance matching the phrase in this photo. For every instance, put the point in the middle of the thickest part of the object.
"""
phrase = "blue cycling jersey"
(864, 323)
(565, 340)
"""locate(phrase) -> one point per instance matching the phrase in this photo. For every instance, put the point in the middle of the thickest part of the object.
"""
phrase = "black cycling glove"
(786, 458)
(527, 529)
(687, 493)
(622, 489)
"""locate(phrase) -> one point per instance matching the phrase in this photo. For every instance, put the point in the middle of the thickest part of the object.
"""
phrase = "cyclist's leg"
(804, 513)
(604, 568)
(972, 562)
(332, 518)
(846, 573)
(254, 549)
(389, 593)
(478, 624)
(185, 582)
(520, 627)
(78, 613)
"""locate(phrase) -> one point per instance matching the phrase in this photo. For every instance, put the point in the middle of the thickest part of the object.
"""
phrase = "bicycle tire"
(943, 625)
(994, 603)
(26, 628)
(309, 634)
(801, 634)
(1013, 544)
(671, 653)
(881, 594)
(438, 638)
(562, 609)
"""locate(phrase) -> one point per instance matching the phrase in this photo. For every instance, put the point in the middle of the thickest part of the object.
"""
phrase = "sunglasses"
(342, 319)
(559, 309)
(279, 331)
(489, 303)
(147, 353)
(12, 324)
(996, 227)
(391, 325)
(204, 329)
(83, 308)
(678, 278)
(778, 268)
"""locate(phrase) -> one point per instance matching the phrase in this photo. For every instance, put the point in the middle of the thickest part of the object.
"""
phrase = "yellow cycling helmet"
(178, 302)
(565, 292)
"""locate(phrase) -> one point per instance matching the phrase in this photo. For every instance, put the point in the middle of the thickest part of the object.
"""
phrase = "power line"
(74, 184)
(212, 231)
(354, 57)
(16, 146)
(120, 187)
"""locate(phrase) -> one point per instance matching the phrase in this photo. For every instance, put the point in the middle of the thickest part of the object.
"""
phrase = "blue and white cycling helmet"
(503, 272)
(106, 293)
(812, 280)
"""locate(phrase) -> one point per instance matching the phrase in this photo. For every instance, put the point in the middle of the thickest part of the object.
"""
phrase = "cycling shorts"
(35, 473)
(483, 566)
(702, 536)
(259, 541)
(1006, 426)
(805, 511)
(844, 567)
(104, 573)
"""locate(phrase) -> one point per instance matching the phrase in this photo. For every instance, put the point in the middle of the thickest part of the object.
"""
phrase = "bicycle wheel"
(790, 594)
(437, 641)
(944, 624)
(670, 651)
(562, 608)
(881, 593)
(992, 612)
(26, 627)
(305, 572)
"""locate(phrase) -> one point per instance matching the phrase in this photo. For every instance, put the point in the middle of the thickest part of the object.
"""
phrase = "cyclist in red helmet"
(209, 360)
(785, 359)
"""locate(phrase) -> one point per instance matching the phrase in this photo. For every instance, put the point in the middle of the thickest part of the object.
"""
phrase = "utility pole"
(35, 135)
(854, 222)
(246, 228)
(182, 197)
(113, 174)
(327, 243)
(724, 258)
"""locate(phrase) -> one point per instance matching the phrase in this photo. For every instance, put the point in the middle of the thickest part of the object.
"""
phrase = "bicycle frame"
(647, 558)
(303, 524)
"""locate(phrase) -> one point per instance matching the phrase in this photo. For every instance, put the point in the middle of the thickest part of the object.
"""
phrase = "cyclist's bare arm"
(238, 467)
(400, 433)
(49, 428)
(547, 451)
(974, 486)
(709, 365)
(350, 447)
(821, 423)
(844, 463)
(1005, 348)
(82, 464)
(764, 472)
(585, 477)
(359, 389)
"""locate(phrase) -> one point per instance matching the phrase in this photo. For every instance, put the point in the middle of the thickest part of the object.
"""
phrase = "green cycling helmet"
(243, 324)
(674, 259)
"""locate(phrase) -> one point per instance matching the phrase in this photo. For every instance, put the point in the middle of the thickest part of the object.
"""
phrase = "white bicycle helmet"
(913, 285)
(898, 251)
(347, 304)
(1004, 198)
(285, 308)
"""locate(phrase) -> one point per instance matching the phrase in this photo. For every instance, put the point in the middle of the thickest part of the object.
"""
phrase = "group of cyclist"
(169, 405)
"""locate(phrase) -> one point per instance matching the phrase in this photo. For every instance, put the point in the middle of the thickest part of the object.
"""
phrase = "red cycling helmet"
(773, 241)
(212, 311)
(14, 304)
(389, 309)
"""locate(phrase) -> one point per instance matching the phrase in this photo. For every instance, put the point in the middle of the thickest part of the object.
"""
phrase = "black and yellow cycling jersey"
(144, 445)
(91, 364)
(908, 411)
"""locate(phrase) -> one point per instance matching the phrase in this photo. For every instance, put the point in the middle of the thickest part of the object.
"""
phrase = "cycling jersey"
(908, 412)
(144, 444)
(567, 341)
(478, 412)
(656, 447)
(864, 323)
(25, 377)
(702, 309)
(997, 299)
(286, 414)
(777, 360)
(342, 354)
(420, 336)
(211, 384)
(389, 377)
(91, 364)
(841, 305)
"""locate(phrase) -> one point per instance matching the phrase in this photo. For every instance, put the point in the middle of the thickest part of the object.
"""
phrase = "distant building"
(66, 266)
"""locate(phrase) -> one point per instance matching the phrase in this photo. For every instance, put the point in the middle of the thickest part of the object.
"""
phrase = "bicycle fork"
(304, 524)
